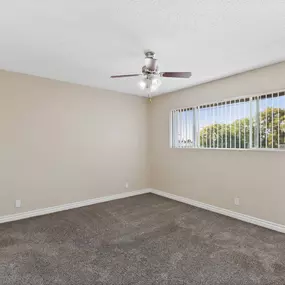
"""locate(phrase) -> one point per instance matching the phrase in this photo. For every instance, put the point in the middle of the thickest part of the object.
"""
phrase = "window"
(245, 123)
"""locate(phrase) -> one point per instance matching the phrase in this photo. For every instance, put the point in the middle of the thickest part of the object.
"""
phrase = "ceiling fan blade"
(125, 75)
(176, 74)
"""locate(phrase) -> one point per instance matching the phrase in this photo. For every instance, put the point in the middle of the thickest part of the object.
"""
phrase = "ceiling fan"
(151, 73)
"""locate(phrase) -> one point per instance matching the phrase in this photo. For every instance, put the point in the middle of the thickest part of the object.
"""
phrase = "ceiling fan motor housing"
(151, 66)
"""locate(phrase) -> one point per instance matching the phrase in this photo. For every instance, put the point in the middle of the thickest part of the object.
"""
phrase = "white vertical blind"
(206, 130)
(253, 122)
(211, 126)
(278, 128)
(244, 124)
(235, 124)
(189, 128)
(186, 127)
(230, 125)
(201, 137)
(225, 126)
(239, 127)
(272, 120)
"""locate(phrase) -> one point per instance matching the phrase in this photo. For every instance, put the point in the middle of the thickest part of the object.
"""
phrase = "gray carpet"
(145, 239)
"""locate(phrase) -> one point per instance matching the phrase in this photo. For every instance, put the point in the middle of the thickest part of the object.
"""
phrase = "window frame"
(196, 109)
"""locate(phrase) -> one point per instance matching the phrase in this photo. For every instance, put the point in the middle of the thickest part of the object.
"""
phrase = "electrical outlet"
(127, 185)
(18, 203)
(236, 201)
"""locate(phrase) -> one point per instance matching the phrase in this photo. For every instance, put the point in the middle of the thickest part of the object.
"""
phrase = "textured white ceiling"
(86, 41)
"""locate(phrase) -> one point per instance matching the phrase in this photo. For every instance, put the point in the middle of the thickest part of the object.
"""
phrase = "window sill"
(230, 149)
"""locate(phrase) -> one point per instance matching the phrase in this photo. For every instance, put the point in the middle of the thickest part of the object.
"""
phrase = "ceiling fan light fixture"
(145, 83)
(149, 83)
(142, 84)
(155, 84)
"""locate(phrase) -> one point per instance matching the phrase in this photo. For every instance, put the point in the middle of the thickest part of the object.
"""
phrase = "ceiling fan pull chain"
(149, 97)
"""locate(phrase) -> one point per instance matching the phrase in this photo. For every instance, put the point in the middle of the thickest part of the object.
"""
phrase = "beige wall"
(62, 143)
(217, 176)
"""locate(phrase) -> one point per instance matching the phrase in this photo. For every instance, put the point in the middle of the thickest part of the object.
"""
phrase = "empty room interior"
(142, 142)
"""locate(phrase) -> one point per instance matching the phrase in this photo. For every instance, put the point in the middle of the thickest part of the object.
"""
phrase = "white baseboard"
(49, 210)
(235, 215)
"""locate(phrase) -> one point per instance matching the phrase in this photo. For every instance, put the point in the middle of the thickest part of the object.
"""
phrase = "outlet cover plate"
(18, 203)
